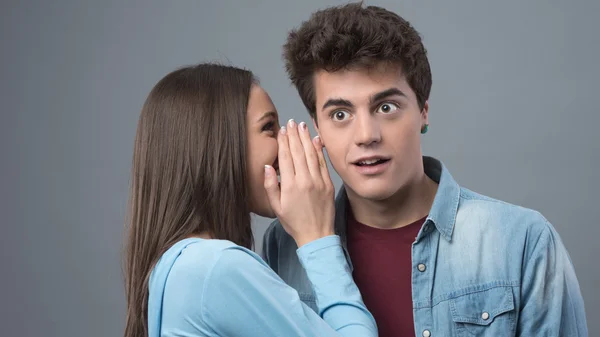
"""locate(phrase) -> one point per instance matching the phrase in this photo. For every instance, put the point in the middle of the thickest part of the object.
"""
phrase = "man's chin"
(373, 193)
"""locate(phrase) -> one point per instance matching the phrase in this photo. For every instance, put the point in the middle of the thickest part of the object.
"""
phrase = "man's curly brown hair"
(350, 36)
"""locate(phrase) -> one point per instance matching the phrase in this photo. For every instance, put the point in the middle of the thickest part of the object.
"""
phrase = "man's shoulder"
(509, 228)
(276, 236)
(274, 230)
(509, 215)
(277, 242)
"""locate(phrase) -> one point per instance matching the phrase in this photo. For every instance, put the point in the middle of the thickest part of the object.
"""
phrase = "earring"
(425, 128)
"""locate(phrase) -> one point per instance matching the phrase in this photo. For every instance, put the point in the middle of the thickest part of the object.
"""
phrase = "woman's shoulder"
(198, 258)
(188, 274)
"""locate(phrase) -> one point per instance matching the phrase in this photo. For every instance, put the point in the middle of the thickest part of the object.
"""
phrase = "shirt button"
(426, 333)
(485, 316)
(421, 267)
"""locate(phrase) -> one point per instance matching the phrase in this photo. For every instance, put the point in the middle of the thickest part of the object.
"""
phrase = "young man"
(430, 258)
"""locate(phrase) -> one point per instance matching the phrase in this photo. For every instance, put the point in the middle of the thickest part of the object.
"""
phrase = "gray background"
(514, 115)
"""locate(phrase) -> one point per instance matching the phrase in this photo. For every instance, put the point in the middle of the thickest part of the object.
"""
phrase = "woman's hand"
(304, 202)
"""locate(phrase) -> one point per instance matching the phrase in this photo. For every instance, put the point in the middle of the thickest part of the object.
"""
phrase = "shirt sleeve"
(552, 304)
(244, 297)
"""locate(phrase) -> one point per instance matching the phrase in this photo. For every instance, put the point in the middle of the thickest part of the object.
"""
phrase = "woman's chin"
(265, 213)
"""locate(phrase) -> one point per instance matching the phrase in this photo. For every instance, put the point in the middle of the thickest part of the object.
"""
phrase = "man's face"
(370, 124)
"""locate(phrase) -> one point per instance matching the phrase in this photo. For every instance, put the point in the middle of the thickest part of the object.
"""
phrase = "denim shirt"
(481, 267)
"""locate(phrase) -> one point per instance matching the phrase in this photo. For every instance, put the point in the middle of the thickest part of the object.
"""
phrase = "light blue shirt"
(216, 288)
(481, 267)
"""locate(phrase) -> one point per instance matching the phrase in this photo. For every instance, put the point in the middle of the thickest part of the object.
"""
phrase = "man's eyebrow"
(374, 98)
(385, 94)
(337, 102)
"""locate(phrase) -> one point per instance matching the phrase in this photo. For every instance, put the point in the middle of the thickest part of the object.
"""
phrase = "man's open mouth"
(371, 162)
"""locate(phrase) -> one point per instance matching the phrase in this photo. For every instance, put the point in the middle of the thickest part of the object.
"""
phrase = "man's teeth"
(368, 162)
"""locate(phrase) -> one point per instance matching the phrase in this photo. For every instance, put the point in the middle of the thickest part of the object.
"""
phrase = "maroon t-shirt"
(383, 272)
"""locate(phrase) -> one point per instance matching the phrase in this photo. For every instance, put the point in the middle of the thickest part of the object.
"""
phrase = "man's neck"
(408, 205)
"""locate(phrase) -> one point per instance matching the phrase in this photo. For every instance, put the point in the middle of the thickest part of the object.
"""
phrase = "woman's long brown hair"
(188, 173)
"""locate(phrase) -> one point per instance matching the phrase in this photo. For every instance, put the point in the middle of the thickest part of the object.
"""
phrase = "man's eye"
(340, 115)
(387, 108)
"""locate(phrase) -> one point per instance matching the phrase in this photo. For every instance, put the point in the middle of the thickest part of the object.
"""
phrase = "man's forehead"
(357, 84)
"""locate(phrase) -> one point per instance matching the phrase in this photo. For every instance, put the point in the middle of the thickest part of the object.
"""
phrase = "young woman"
(206, 155)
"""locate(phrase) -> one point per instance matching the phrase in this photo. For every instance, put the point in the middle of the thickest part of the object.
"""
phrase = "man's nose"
(367, 130)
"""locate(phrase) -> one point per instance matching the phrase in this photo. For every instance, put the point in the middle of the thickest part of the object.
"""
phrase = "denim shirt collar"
(445, 204)
(443, 210)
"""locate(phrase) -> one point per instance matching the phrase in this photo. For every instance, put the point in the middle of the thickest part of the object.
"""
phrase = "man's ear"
(425, 114)
(316, 126)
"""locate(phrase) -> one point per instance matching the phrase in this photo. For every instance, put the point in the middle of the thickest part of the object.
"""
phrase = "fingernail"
(267, 171)
(282, 130)
(291, 123)
(302, 126)
(318, 140)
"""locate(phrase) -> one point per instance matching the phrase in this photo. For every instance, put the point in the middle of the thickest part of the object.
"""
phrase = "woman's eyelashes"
(269, 127)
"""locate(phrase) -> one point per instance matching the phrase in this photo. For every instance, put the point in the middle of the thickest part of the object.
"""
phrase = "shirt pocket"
(489, 312)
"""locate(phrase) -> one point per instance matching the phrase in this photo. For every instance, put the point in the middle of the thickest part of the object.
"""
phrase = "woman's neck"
(202, 235)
